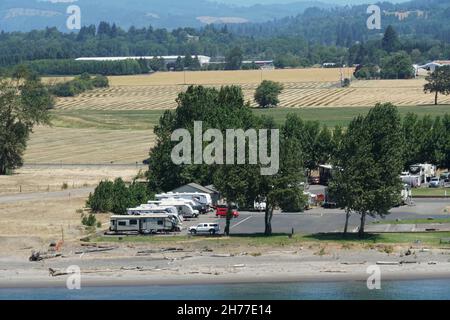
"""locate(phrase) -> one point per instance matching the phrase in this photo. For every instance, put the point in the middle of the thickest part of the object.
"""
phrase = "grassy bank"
(430, 192)
(282, 240)
(414, 221)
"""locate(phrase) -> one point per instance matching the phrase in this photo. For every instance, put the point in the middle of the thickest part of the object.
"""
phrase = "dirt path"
(72, 193)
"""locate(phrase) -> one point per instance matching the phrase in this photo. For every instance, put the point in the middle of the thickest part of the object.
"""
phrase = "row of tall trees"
(225, 109)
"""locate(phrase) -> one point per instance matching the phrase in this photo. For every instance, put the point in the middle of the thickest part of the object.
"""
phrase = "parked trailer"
(325, 174)
(146, 209)
(144, 224)
(183, 206)
(425, 171)
(413, 181)
(203, 201)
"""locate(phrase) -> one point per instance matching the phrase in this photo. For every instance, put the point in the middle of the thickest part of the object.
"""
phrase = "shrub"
(79, 85)
(89, 221)
(293, 201)
(116, 197)
(100, 82)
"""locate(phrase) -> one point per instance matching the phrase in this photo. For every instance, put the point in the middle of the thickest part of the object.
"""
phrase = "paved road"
(324, 220)
(40, 196)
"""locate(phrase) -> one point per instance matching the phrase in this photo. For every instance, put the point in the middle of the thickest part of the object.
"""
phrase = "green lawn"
(111, 120)
(430, 192)
(281, 240)
(414, 221)
(147, 119)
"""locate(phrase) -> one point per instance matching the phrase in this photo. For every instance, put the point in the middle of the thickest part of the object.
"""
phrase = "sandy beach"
(128, 264)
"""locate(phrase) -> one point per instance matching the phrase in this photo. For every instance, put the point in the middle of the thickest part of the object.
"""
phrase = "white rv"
(425, 171)
(203, 198)
(413, 181)
(147, 209)
(144, 224)
(183, 206)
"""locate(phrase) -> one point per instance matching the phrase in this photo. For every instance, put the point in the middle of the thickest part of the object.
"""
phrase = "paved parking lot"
(322, 220)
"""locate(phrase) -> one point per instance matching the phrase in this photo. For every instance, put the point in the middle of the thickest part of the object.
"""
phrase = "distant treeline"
(73, 67)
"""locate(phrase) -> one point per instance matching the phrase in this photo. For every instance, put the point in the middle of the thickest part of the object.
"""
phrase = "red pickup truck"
(221, 211)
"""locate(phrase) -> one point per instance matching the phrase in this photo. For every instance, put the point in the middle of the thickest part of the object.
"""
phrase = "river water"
(390, 290)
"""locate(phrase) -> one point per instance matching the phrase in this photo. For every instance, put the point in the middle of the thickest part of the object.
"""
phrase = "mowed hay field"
(303, 88)
(116, 124)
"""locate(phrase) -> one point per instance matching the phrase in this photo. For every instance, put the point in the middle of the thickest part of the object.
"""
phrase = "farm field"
(45, 178)
(115, 125)
(125, 136)
(303, 88)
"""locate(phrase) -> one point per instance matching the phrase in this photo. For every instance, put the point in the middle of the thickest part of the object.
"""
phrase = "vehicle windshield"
(414, 169)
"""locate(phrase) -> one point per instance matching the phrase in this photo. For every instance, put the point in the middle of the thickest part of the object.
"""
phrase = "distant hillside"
(345, 25)
(25, 15)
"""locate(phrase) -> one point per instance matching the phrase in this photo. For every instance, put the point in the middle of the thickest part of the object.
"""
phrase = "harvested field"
(159, 91)
(44, 178)
(88, 146)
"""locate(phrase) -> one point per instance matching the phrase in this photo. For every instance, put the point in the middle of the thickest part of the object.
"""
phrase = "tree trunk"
(361, 228)
(347, 217)
(229, 217)
(436, 99)
(268, 220)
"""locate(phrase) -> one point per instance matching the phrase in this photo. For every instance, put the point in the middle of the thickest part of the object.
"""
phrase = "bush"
(100, 82)
(89, 221)
(116, 197)
(293, 201)
(79, 85)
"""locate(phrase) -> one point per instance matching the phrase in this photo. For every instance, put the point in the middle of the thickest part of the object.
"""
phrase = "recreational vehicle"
(413, 181)
(325, 174)
(183, 206)
(426, 171)
(144, 224)
(147, 209)
(204, 200)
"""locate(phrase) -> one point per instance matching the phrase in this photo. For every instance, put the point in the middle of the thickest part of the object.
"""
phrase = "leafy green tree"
(397, 66)
(324, 145)
(370, 162)
(24, 103)
(179, 64)
(267, 93)
(438, 82)
(234, 58)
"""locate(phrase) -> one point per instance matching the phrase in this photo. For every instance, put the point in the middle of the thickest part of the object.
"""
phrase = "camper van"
(183, 206)
(202, 200)
(325, 174)
(147, 209)
(425, 171)
(413, 181)
(144, 224)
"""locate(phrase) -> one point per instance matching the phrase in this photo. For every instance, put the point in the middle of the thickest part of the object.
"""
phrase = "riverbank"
(194, 263)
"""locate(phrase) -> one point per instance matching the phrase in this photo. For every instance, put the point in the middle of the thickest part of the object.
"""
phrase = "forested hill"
(317, 36)
(26, 15)
(344, 25)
